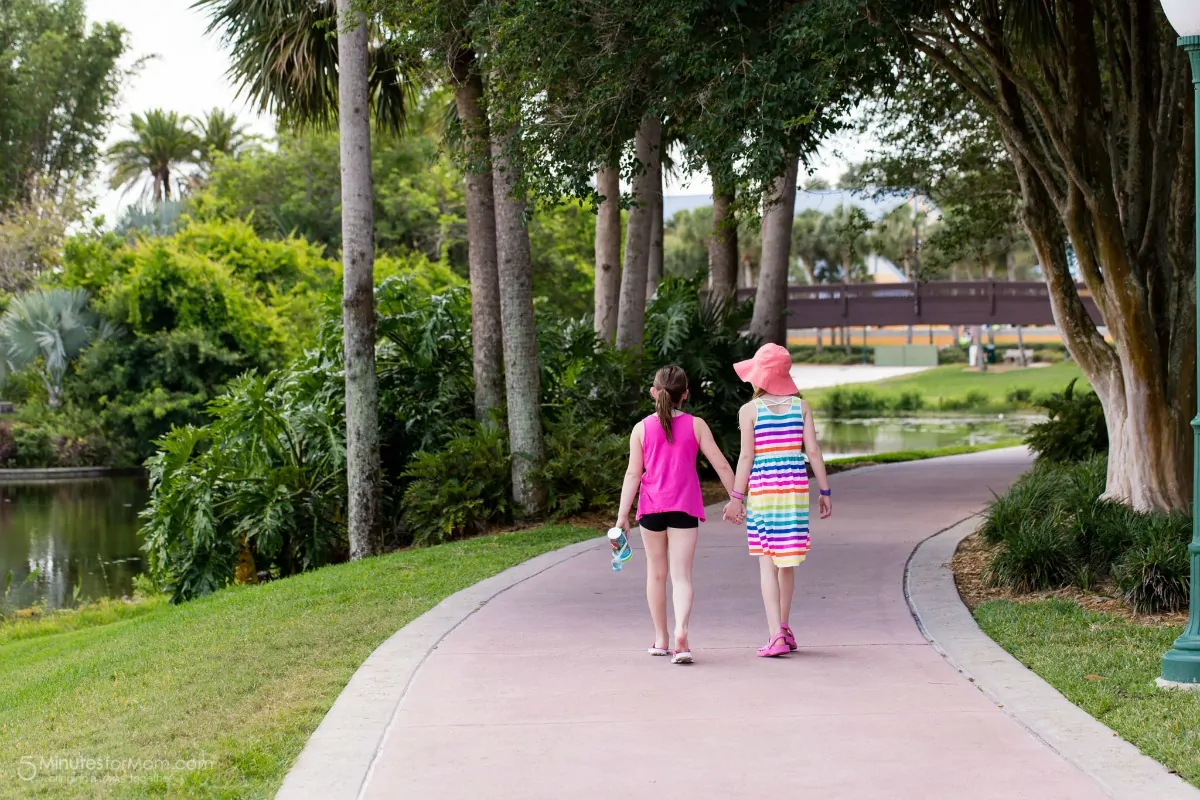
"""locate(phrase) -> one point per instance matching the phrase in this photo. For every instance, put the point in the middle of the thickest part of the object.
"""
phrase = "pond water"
(67, 542)
(843, 438)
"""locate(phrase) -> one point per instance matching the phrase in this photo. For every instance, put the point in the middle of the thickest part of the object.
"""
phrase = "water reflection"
(69, 541)
(840, 438)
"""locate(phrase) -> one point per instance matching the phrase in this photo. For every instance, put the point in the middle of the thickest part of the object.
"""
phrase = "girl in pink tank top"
(662, 473)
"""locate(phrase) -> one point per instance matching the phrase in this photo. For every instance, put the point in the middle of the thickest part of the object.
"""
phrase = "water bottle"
(621, 552)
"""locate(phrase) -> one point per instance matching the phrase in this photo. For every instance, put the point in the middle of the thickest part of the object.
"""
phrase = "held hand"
(735, 512)
(826, 505)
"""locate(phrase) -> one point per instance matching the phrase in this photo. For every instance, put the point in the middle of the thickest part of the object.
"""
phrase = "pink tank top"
(670, 481)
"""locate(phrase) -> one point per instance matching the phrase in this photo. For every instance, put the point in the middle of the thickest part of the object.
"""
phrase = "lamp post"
(1181, 665)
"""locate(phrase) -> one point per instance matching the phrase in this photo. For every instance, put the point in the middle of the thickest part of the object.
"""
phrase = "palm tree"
(161, 144)
(45, 330)
(220, 134)
(285, 61)
(358, 298)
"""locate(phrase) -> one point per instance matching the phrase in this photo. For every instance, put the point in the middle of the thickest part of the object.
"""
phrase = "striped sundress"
(777, 503)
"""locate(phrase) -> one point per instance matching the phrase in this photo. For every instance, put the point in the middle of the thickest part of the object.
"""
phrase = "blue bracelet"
(827, 493)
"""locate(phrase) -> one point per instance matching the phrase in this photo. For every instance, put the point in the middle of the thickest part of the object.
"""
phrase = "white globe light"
(1184, 16)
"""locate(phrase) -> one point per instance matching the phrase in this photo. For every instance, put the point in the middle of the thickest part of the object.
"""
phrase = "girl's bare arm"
(633, 477)
(741, 481)
(708, 446)
(813, 450)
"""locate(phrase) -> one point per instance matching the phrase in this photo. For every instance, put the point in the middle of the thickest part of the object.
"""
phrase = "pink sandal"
(777, 647)
(790, 638)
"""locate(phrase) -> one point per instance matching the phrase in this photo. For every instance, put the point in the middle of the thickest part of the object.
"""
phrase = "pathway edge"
(337, 761)
(1118, 767)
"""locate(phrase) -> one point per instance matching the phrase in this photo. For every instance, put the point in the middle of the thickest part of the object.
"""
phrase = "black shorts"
(657, 523)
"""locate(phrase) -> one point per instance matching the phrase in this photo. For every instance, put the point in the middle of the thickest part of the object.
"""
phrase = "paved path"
(547, 692)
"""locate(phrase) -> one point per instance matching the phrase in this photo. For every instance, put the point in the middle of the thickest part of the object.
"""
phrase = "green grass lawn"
(1107, 666)
(238, 680)
(944, 388)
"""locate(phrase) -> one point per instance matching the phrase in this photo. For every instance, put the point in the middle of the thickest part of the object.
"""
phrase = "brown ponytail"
(672, 384)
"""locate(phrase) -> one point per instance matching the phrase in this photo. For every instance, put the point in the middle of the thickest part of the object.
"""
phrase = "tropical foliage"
(45, 331)
(252, 479)
(161, 147)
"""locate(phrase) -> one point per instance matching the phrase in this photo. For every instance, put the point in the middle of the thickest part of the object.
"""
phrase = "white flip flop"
(684, 657)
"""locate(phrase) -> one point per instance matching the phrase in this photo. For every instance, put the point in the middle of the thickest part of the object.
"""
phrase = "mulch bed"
(970, 565)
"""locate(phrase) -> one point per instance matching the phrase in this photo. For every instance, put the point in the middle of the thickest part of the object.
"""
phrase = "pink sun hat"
(769, 370)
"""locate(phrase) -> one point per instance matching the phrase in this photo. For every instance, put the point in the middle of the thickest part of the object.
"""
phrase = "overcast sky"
(187, 74)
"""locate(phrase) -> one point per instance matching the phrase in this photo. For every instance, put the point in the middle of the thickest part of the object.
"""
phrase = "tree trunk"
(1021, 346)
(654, 262)
(521, 372)
(358, 298)
(770, 303)
(723, 246)
(486, 334)
(608, 253)
(631, 317)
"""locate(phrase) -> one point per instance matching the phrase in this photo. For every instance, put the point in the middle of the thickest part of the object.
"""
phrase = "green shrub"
(585, 464)
(909, 403)
(8, 446)
(34, 445)
(974, 400)
(1105, 530)
(460, 489)
(1037, 494)
(952, 355)
(1049, 355)
(1074, 429)
(1021, 396)
(1154, 574)
(1036, 555)
(852, 401)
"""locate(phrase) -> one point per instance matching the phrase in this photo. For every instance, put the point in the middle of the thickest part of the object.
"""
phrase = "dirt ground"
(970, 564)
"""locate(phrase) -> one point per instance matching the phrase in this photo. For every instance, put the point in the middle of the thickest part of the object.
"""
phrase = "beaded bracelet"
(827, 493)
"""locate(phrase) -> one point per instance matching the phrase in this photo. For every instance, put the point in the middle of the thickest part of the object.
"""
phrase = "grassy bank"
(1105, 664)
(235, 682)
(946, 390)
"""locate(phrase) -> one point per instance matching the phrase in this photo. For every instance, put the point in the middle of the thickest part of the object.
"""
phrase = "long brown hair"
(672, 384)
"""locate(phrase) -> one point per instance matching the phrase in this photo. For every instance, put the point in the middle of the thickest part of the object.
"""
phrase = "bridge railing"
(939, 303)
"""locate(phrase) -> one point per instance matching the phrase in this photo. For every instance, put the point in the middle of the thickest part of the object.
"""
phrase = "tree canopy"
(58, 88)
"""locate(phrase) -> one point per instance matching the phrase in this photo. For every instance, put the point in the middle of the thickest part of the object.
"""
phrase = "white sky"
(187, 75)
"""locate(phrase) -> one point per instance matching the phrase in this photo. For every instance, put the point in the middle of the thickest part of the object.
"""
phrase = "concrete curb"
(1116, 765)
(337, 761)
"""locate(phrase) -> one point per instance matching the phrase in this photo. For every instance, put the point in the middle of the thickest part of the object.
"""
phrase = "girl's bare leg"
(656, 584)
(769, 582)
(681, 551)
(787, 587)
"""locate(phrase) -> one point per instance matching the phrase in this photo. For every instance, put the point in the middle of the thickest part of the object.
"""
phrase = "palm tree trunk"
(723, 246)
(521, 372)
(486, 336)
(654, 262)
(770, 303)
(631, 317)
(358, 299)
(608, 253)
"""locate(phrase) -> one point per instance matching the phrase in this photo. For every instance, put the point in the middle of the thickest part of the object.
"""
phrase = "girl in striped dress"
(778, 443)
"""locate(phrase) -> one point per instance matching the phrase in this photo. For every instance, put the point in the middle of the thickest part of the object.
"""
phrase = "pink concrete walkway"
(547, 692)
